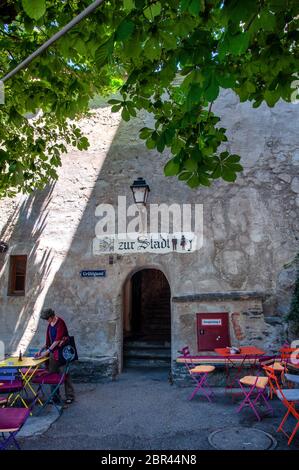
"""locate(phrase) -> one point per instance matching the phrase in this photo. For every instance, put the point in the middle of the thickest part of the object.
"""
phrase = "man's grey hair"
(47, 313)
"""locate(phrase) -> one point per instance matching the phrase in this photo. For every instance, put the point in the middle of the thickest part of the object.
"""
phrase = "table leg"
(27, 377)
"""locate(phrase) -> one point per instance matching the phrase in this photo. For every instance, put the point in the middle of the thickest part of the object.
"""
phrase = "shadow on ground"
(141, 410)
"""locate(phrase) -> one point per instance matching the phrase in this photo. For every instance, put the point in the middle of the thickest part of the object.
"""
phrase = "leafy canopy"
(169, 57)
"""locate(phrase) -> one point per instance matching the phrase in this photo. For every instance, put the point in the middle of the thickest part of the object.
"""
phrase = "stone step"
(139, 344)
(142, 363)
(155, 354)
(157, 327)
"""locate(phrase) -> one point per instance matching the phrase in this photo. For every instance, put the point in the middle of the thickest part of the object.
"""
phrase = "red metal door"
(212, 331)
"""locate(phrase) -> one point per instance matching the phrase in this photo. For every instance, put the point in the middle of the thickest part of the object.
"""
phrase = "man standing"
(56, 336)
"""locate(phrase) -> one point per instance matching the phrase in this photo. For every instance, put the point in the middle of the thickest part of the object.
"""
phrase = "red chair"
(199, 375)
(289, 398)
(11, 421)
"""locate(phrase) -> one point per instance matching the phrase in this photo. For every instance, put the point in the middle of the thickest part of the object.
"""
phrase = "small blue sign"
(93, 273)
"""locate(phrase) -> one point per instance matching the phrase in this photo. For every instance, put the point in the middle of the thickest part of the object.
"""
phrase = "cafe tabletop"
(25, 362)
(244, 351)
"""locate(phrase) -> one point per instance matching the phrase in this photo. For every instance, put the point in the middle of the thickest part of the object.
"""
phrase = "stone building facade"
(250, 237)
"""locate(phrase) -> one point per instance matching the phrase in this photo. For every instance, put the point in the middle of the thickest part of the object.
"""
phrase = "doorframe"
(127, 299)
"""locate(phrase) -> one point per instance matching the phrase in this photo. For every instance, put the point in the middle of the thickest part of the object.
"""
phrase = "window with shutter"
(17, 275)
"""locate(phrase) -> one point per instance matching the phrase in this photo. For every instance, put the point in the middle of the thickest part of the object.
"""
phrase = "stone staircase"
(147, 353)
(157, 323)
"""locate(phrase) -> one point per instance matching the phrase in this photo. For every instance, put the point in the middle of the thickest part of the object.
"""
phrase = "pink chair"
(10, 385)
(55, 380)
(11, 421)
(199, 375)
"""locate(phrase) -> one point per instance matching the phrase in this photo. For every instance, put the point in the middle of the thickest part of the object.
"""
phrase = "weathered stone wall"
(250, 232)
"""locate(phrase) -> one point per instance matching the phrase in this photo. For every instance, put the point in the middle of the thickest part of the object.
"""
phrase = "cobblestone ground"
(141, 410)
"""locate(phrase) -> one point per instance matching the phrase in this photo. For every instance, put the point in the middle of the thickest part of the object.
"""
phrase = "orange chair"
(289, 398)
(285, 354)
(199, 375)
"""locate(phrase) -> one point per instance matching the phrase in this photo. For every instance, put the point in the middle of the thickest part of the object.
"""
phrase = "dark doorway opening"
(147, 319)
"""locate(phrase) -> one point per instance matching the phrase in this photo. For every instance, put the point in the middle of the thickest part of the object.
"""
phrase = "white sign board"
(128, 243)
(211, 322)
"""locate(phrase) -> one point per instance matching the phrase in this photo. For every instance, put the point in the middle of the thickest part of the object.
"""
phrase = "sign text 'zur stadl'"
(127, 243)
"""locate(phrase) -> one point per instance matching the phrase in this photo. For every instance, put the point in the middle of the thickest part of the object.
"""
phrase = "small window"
(17, 275)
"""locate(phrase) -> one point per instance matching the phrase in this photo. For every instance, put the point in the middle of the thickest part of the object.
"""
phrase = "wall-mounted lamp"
(140, 190)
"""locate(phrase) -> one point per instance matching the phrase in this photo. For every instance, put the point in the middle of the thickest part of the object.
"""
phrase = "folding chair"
(285, 354)
(199, 375)
(278, 367)
(54, 380)
(289, 398)
(254, 389)
(11, 421)
(10, 385)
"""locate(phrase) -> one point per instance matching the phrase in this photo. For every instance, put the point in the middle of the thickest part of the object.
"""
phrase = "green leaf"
(152, 11)
(104, 51)
(83, 143)
(227, 79)
(193, 182)
(185, 4)
(196, 6)
(239, 43)
(125, 30)
(125, 114)
(171, 168)
(129, 5)
(169, 40)
(266, 21)
(184, 176)
(204, 180)
(115, 108)
(152, 49)
(233, 159)
(150, 143)
(145, 132)
(190, 165)
(228, 175)
(212, 90)
(113, 101)
(34, 8)
(271, 97)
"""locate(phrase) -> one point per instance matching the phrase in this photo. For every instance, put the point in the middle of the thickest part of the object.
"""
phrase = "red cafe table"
(249, 355)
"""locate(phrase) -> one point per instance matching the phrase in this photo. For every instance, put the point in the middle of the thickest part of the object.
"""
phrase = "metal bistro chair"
(54, 380)
(199, 375)
(10, 385)
(11, 421)
(255, 390)
(289, 398)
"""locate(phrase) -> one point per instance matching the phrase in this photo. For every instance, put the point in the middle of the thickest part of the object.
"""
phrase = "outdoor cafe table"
(248, 355)
(27, 368)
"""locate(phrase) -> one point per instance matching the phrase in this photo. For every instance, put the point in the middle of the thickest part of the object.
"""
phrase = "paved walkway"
(141, 410)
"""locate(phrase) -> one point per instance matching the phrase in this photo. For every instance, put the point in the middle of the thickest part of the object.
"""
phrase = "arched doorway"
(147, 319)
